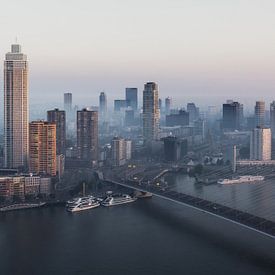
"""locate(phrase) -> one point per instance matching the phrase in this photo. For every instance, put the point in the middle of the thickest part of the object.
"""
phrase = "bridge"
(244, 219)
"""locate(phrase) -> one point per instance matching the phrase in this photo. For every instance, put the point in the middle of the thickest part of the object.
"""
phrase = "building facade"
(87, 135)
(59, 118)
(16, 109)
(42, 156)
(260, 114)
(232, 116)
(121, 150)
(68, 100)
(151, 115)
(131, 96)
(168, 105)
(260, 144)
(193, 112)
(179, 119)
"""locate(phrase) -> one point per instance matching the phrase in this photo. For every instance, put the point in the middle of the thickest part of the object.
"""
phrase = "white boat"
(19, 206)
(79, 199)
(241, 179)
(82, 204)
(117, 200)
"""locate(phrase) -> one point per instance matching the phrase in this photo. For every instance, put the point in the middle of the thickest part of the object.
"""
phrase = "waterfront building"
(20, 187)
(260, 144)
(42, 155)
(16, 108)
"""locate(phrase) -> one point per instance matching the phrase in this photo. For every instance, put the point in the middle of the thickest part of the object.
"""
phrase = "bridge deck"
(248, 220)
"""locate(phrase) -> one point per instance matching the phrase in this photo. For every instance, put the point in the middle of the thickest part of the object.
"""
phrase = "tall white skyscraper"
(151, 114)
(16, 109)
(260, 144)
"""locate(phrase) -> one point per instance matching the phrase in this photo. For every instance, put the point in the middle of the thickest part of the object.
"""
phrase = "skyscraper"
(260, 144)
(193, 112)
(272, 119)
(102, 106)
(87, 134)
(68, 102)
(16, 108)
(59, 118)
(42, 156)
(168, 104)
(232, 116)
(151, 114)
(260, 114)
(131, 98)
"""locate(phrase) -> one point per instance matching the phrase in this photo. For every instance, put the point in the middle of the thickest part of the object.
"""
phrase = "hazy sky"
(189, 47)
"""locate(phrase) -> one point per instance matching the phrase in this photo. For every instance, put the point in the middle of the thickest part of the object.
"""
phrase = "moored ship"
(82, 204)
(241, 179)
(118, 199)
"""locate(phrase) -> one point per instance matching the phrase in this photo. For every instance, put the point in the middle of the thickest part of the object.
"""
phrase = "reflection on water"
(256, 198)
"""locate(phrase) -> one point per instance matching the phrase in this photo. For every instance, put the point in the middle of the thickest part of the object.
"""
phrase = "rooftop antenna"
(15, 39)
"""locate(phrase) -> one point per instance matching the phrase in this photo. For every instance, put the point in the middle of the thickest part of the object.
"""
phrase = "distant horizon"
(189, 47)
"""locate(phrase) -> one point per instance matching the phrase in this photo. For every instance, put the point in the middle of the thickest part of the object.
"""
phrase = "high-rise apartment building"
(151, 114)
(121, 150)
(87, 135)
(260, 114)
(16, 108)
(102, 106)
(272, 119)
(68, 101)
(59, 118)
(42, 155)
(260, 144)
(232, 116)
(131, 96)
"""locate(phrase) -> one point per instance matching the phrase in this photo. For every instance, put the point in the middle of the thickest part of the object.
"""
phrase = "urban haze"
(137, 137)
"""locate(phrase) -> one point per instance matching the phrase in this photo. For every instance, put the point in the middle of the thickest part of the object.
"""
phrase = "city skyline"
(214, 47)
